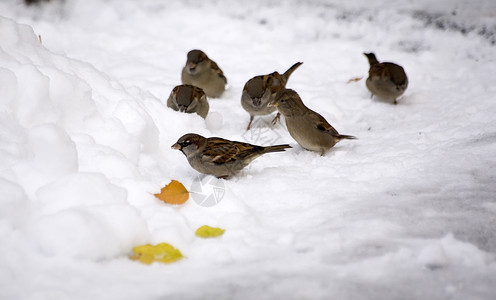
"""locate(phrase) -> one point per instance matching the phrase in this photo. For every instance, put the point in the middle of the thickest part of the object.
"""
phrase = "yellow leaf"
(208, 232)
(163, 252)
(173, 193)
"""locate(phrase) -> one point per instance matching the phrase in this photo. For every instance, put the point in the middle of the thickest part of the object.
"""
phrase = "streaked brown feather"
(321, 123)
(221, 151)
(219, 72)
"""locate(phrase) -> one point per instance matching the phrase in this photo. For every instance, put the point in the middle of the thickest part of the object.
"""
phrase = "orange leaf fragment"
(173, 193)
(354, 79)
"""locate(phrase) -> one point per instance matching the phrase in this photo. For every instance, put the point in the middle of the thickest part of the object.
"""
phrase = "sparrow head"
(257, 91)
(197, 61)
(190, 143)
(288, 102)
(186, 97)
(371, 57)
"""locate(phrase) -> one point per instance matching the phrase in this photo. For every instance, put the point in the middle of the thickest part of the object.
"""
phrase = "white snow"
(407, 211)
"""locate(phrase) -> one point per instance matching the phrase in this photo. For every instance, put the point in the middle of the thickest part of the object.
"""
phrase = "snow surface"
(407, 211)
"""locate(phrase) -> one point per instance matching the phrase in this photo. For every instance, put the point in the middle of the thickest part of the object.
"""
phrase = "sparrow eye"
(185, 143)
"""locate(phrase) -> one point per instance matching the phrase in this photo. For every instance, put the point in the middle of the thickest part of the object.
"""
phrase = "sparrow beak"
(273, 103)
(176, 146)
(192, 67)
(256, 101)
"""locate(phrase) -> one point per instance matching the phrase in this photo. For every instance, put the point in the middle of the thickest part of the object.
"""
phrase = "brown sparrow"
(307, 127)
(219, 157)
(189, 99)
(260, 90)
(386, 80)
(203, 72)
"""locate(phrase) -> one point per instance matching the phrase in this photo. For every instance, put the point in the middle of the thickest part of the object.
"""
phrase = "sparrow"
(220, 157)
(308, 128)
(386, 80)
(204, 73)
(189, 99)
(260, 90)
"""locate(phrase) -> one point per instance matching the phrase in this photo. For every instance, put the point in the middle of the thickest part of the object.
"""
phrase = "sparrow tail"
(346, 137)
(290, 71)
(277, 148)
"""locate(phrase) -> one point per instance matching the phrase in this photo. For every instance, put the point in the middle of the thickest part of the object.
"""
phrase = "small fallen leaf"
(173, 193)
(354, 79)
(163, 252)
(209, 232)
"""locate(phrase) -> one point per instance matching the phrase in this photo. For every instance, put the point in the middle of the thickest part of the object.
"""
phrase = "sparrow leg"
(249, 124)
(371, 95)
(278, 116)
(323, 152)
(395, 102)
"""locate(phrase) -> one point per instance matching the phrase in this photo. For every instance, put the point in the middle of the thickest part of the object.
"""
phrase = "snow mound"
(48, 114)
(449, 251)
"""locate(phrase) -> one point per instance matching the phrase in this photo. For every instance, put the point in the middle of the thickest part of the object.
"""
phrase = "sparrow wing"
(396, 73)
(219, 72)
(321, 123)
(276, 82)
(221, 151)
